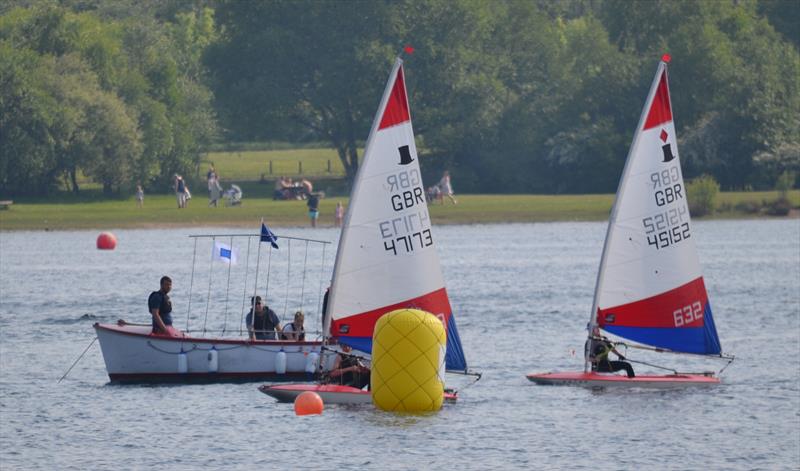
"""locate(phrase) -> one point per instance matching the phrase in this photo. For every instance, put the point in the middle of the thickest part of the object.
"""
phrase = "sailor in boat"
(294, 330)
(264, 324)
(598, 348)
(348, 370)
(160, 307)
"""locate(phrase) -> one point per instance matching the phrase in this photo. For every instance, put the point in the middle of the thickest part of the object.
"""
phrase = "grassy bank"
(161, 211)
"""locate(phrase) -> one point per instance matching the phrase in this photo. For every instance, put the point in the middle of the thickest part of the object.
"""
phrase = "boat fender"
(311, 362)
(183, 363)
(280, 362)
(213, 360)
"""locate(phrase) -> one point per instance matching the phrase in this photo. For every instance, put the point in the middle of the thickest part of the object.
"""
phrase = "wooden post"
(299, 167)
(329, 165)
(270, 167)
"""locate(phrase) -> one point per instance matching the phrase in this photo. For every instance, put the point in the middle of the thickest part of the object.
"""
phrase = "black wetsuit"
(599, 350)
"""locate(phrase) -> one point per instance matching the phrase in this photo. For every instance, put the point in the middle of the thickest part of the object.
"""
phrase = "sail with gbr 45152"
(650, 286)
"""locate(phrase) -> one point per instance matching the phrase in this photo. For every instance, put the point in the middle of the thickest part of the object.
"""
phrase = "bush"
(702, 195)
(779, 207)
(748, 207)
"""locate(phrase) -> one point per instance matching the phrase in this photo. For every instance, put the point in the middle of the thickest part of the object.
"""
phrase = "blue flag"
(268, 236)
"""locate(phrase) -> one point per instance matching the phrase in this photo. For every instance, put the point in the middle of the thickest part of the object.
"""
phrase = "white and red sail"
(387, 256)
(650, 286)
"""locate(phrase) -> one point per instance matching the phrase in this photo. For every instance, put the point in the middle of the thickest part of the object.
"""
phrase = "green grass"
(161, 211)
(250, 165)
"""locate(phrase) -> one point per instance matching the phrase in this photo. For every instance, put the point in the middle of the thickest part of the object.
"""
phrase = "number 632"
(688, 314)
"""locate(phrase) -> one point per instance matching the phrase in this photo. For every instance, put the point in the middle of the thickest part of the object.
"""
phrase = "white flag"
(225, 253)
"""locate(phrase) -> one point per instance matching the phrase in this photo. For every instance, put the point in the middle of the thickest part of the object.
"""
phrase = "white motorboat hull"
(133, 354)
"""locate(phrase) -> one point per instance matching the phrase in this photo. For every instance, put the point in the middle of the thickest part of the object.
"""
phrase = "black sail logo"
(666, 148)
(405, 155)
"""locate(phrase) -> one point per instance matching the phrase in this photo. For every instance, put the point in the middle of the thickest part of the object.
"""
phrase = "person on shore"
(214, 192)
(598, 348)
(262, 322)
(139, 196)
(313, 208)
(348, 370)
(294, 330)
(307, 187)
(446, 188)
(211, 178)
(338, 214)
(180, 191)
(160, 307)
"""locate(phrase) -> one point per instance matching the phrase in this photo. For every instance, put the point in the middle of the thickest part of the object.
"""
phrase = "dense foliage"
(119, 99)
(540, 96)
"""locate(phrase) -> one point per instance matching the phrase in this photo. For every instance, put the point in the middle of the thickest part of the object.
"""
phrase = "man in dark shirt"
(263, 325)
(160, 307)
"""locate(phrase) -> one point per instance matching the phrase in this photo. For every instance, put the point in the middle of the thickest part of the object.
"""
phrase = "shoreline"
(159, 211)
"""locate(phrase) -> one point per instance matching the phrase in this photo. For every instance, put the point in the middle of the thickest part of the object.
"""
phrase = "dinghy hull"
(330, 393)
(600, 380)
(133, 354)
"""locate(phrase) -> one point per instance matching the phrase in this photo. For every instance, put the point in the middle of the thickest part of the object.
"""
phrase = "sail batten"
(650, 287)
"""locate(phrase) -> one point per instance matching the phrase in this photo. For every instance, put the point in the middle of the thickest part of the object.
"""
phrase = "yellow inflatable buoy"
(408, 355)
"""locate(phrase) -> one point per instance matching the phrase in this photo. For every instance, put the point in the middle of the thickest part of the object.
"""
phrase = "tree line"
(511, 96)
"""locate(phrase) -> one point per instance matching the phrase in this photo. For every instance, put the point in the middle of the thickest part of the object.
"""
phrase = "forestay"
(650, 286)
(387, 256)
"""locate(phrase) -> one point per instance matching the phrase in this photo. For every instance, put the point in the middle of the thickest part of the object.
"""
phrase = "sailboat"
(650, 287)
(387, 257)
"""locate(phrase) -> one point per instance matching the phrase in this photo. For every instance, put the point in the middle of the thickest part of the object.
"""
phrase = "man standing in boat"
(160, 307)
(262, 322)
(598, 348)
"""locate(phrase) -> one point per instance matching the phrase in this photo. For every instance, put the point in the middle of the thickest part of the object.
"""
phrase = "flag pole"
(255, 285)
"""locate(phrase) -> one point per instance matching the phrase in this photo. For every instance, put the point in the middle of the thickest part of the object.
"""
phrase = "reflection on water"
(521, 293)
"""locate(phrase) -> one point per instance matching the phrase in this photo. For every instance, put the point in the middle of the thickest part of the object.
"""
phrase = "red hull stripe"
(682, 307)
(396, 111)
(362, 325)
(661, 110)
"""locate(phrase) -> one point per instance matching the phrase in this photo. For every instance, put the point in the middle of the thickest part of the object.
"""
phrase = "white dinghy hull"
(133, 354)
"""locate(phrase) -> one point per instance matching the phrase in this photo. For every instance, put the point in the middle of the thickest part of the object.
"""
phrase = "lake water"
(521, 293)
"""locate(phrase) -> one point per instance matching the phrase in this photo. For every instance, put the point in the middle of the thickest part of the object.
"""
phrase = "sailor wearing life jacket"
(598, 348)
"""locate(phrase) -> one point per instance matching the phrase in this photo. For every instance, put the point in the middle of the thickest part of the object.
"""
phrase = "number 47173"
(688, 314)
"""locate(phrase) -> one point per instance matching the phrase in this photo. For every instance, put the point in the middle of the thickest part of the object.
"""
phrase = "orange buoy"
(106, 241)
(308, 403)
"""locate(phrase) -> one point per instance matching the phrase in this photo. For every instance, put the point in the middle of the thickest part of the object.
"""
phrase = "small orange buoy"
(308, 403)
(106, 241)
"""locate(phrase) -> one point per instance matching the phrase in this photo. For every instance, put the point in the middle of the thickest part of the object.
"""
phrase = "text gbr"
(410, 231)
(670, 225)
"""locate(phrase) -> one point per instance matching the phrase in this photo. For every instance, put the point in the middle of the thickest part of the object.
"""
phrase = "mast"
(662, 66)
(354, 194)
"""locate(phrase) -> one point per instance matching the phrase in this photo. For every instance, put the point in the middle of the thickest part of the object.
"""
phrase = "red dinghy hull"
(330, 393)
(600, 380)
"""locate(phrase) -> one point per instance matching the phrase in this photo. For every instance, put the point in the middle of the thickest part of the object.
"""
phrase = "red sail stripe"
(396, 111)
(661, 110)
(362, 325)
(676, 308)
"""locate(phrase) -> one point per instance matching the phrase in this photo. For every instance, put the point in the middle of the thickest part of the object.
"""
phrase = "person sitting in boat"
(264, 324)
(294, 330)
(598, 348)
(348, 370)
(160, 307)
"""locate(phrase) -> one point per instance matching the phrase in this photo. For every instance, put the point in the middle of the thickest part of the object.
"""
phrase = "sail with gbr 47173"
(387, 257)
(650, 286)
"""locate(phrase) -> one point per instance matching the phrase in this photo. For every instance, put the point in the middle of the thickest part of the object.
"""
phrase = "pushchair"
(233, 196)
